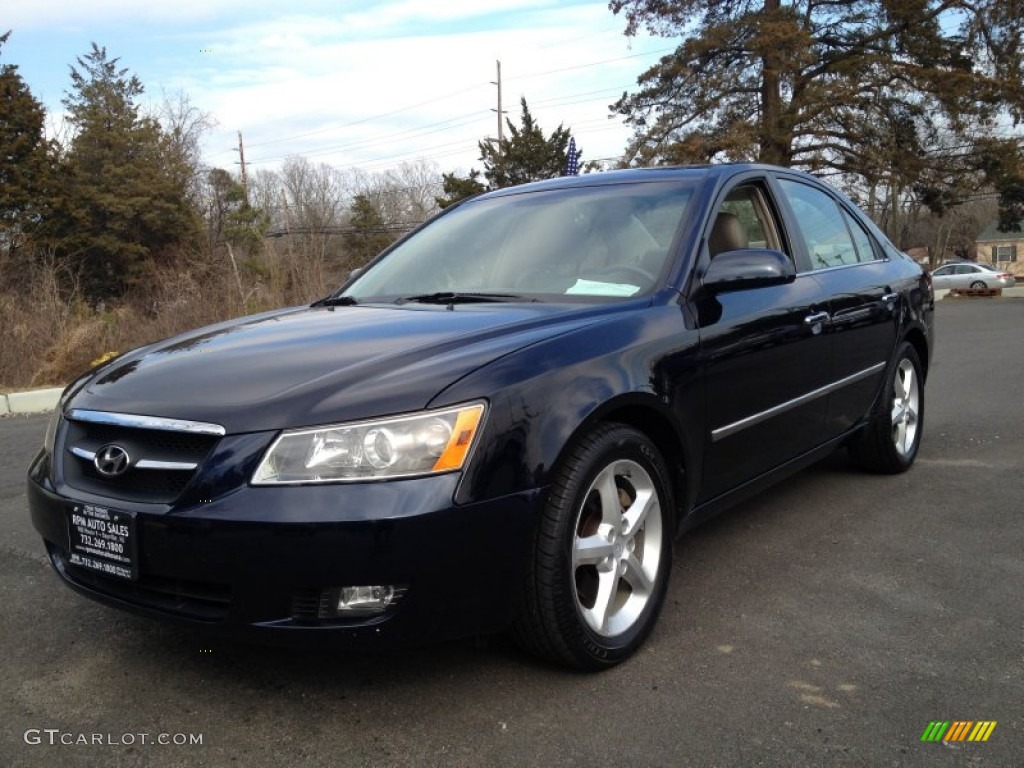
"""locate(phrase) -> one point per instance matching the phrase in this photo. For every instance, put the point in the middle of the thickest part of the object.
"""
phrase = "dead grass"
(49, 334)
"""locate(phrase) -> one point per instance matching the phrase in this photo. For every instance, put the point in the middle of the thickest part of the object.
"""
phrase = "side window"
(861, 239)
(743, 221)
(821, 225)
(943, 271)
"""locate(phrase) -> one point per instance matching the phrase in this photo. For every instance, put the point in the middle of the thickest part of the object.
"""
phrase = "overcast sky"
(356, 84)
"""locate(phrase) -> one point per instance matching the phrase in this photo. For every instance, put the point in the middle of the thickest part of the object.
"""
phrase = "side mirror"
(748, 268)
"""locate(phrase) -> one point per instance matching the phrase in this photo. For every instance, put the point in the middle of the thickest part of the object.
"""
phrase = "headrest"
(728, 234)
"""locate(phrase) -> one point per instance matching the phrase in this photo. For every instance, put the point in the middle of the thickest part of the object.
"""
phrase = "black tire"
(891, 439)
(586, 551)
(978, 285)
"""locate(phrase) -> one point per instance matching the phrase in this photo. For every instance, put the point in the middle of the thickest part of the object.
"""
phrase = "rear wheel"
(890, 441)
(978, 285)
(603, 552)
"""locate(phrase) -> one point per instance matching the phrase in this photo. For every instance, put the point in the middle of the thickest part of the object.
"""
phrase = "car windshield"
(601, 242)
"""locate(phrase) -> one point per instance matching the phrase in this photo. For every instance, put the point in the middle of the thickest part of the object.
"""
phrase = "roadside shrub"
(52, 333)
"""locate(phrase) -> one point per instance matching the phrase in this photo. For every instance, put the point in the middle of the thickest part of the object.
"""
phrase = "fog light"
(364, 601)
(334, 603)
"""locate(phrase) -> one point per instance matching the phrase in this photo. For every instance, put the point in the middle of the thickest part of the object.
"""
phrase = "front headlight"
(423, 443)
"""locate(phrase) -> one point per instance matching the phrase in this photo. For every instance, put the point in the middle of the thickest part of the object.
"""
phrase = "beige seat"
(728, 234)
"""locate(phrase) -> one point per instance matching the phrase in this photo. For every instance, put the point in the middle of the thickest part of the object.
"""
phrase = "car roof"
(657, 173)
(963, 261)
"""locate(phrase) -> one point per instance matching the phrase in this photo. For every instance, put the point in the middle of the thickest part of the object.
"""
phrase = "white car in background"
(962, 275)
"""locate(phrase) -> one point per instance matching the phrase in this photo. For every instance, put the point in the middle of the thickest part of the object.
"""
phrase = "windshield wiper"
(458, 297)
(335, 301)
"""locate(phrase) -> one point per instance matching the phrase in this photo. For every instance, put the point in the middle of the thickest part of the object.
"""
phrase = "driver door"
(764, 351)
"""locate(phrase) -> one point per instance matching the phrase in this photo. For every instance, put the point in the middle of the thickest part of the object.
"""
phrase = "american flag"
(572, 165)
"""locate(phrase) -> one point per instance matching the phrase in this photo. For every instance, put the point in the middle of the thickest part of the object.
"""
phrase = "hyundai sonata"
(502, 423)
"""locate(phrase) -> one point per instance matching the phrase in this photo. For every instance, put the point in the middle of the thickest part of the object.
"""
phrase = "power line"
(443, 97)
(591, 64)
(586, 36)
(437, 127)
(366, 119)
(454, 122)
(431, 128)
(553, 100)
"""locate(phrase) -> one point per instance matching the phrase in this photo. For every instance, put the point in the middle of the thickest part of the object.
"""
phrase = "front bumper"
(245, 564)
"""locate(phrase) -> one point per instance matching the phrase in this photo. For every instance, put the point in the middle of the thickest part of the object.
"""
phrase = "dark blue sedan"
(502, 423)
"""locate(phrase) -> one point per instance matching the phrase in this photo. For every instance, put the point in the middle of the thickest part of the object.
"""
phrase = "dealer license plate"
(103, 540)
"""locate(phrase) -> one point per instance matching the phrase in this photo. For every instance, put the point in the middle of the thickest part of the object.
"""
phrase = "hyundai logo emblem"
(112, 460)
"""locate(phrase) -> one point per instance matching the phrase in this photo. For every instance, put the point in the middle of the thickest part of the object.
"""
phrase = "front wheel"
(891, 439)
(601, 559)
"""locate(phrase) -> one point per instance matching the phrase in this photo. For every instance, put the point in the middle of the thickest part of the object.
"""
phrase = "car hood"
(307, 366)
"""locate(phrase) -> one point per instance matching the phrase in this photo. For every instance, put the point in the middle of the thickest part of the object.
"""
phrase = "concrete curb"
(1016, 292)
(37, 401)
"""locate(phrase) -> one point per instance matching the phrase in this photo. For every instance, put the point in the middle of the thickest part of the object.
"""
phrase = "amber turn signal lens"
(455, 452)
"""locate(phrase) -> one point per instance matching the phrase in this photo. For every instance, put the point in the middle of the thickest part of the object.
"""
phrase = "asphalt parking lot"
(825, 623)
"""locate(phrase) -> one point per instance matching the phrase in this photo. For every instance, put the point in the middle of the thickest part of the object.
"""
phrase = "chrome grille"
(165, 454)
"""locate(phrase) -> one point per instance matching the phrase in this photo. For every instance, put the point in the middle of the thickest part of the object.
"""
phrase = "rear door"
(862, 296)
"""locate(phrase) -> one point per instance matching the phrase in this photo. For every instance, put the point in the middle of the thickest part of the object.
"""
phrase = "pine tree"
(25, 160)
(124, 203)
(370, 234)
(865, 88)
(231, 218)
(458, 188)
(526, 154)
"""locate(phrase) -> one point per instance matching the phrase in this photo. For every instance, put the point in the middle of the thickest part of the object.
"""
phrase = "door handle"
(817, 317)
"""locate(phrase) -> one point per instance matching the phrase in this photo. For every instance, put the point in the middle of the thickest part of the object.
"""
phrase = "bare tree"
(403, 196)
(184, 126)
(313, 201)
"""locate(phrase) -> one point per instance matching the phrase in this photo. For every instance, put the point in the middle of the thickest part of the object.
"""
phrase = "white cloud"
(372, 84)
(408, 13)
(63, 13)
(313, 75)
(360, 16)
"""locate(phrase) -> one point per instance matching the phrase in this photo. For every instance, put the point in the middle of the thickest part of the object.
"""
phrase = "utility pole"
(499, 110)
(241, 158)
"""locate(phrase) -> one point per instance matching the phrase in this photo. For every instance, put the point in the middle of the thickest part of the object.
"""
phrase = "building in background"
(1003, 250)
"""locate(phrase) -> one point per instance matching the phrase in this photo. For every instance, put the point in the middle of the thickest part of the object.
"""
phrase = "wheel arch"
(644, 413)
(916, 337)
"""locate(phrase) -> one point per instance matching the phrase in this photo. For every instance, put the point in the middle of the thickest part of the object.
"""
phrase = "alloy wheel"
(905, 407)
(617, 547)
